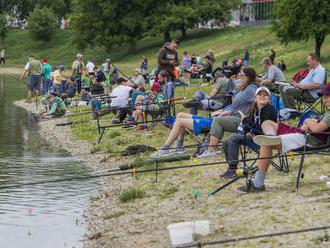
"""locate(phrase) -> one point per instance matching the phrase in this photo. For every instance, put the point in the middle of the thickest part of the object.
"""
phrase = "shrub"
(42, 23)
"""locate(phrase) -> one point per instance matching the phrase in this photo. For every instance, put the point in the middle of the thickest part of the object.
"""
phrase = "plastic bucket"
(181, 233)
(202, 227)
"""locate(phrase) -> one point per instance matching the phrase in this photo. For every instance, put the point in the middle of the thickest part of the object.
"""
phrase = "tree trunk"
(319, 38)
(167, 36)
(183, 31)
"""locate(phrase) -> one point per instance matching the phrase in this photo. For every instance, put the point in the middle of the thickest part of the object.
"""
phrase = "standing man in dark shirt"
(272, 56)
(168, 57)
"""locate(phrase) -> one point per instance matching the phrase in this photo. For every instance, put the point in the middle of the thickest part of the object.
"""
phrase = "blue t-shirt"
(46, 70)
(316, 75)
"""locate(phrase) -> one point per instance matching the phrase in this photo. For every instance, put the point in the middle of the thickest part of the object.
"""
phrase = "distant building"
(252, 12)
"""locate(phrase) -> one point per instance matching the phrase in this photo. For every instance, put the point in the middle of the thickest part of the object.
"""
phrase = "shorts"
(34, 82)
(200, 123)
(292, 141)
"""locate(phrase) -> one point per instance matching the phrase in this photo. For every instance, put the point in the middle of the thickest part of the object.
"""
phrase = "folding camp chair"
(315, 105)
(283, 160)
(302, 150)
(165, 115)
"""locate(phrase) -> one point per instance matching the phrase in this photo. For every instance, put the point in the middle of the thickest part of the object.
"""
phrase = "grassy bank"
(134, 211)
(225, 43)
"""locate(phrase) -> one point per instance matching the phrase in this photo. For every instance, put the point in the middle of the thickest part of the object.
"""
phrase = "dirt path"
(10, 71)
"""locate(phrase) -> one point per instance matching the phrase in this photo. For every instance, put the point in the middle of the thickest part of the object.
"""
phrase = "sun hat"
(325, 90)
(264, 89)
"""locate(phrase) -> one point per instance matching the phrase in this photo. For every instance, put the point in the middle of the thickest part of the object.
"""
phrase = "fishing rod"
(113, 109)
(147, 150)
(137, 171)
(246, 238)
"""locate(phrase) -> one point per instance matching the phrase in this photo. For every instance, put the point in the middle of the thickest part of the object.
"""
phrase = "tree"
(117, 21)
(3, 27)
(42, 23)
(109, 23)
(182, 14)
(299, 20)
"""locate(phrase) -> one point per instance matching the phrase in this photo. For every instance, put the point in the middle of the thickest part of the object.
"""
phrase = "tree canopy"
(300, 20)
(118, 21)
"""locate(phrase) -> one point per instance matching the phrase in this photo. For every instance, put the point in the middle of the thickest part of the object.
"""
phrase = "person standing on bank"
(168, 57)
(47, 81)
(2, 56)
(33, 69)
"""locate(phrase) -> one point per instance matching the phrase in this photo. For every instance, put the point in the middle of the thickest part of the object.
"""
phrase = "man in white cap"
(77, 69)
(138, 79)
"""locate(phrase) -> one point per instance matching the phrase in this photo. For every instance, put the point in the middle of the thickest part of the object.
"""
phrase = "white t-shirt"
(27, 66)
(90, 67)
(106, 67)
(121, 93)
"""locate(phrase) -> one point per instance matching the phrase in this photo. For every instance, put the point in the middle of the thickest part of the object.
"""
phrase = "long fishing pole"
(246, 238)
(136, 171)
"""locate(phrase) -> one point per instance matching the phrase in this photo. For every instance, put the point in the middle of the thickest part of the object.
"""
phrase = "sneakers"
(178, 151)
(253, 189)
(141, 127)
(207, 154)
(115, 121)
(161, 153)
(266, 140)
(229, 174)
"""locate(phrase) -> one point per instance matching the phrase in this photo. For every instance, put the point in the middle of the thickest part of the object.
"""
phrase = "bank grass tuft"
(131, 194)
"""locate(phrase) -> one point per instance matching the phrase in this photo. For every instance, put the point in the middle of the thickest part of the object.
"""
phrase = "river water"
(45, 215)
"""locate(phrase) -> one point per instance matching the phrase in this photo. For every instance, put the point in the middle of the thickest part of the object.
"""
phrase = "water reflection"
(45, 215)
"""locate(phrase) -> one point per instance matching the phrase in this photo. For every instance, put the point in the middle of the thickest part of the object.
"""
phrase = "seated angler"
(197, 124)
(121, 95)
(273, 74)
(205, 68)
(286, 138)
(308, 88)
(229, 118)
(150, 103)
(218, 98)
(261, 110)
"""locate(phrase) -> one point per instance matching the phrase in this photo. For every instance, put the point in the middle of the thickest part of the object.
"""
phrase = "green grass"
(225, 43)
(132, 194)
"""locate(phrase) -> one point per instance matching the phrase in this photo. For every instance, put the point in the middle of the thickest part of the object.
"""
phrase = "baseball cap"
(138, 70)
(264, 89)
(156, 86)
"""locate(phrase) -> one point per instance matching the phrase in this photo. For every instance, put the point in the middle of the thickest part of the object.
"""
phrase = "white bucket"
(202, 227)
(181, 233)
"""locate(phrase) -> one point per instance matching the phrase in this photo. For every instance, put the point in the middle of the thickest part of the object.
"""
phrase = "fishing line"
(149, 170)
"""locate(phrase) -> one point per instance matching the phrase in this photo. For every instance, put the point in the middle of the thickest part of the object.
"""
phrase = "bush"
(42, 23)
